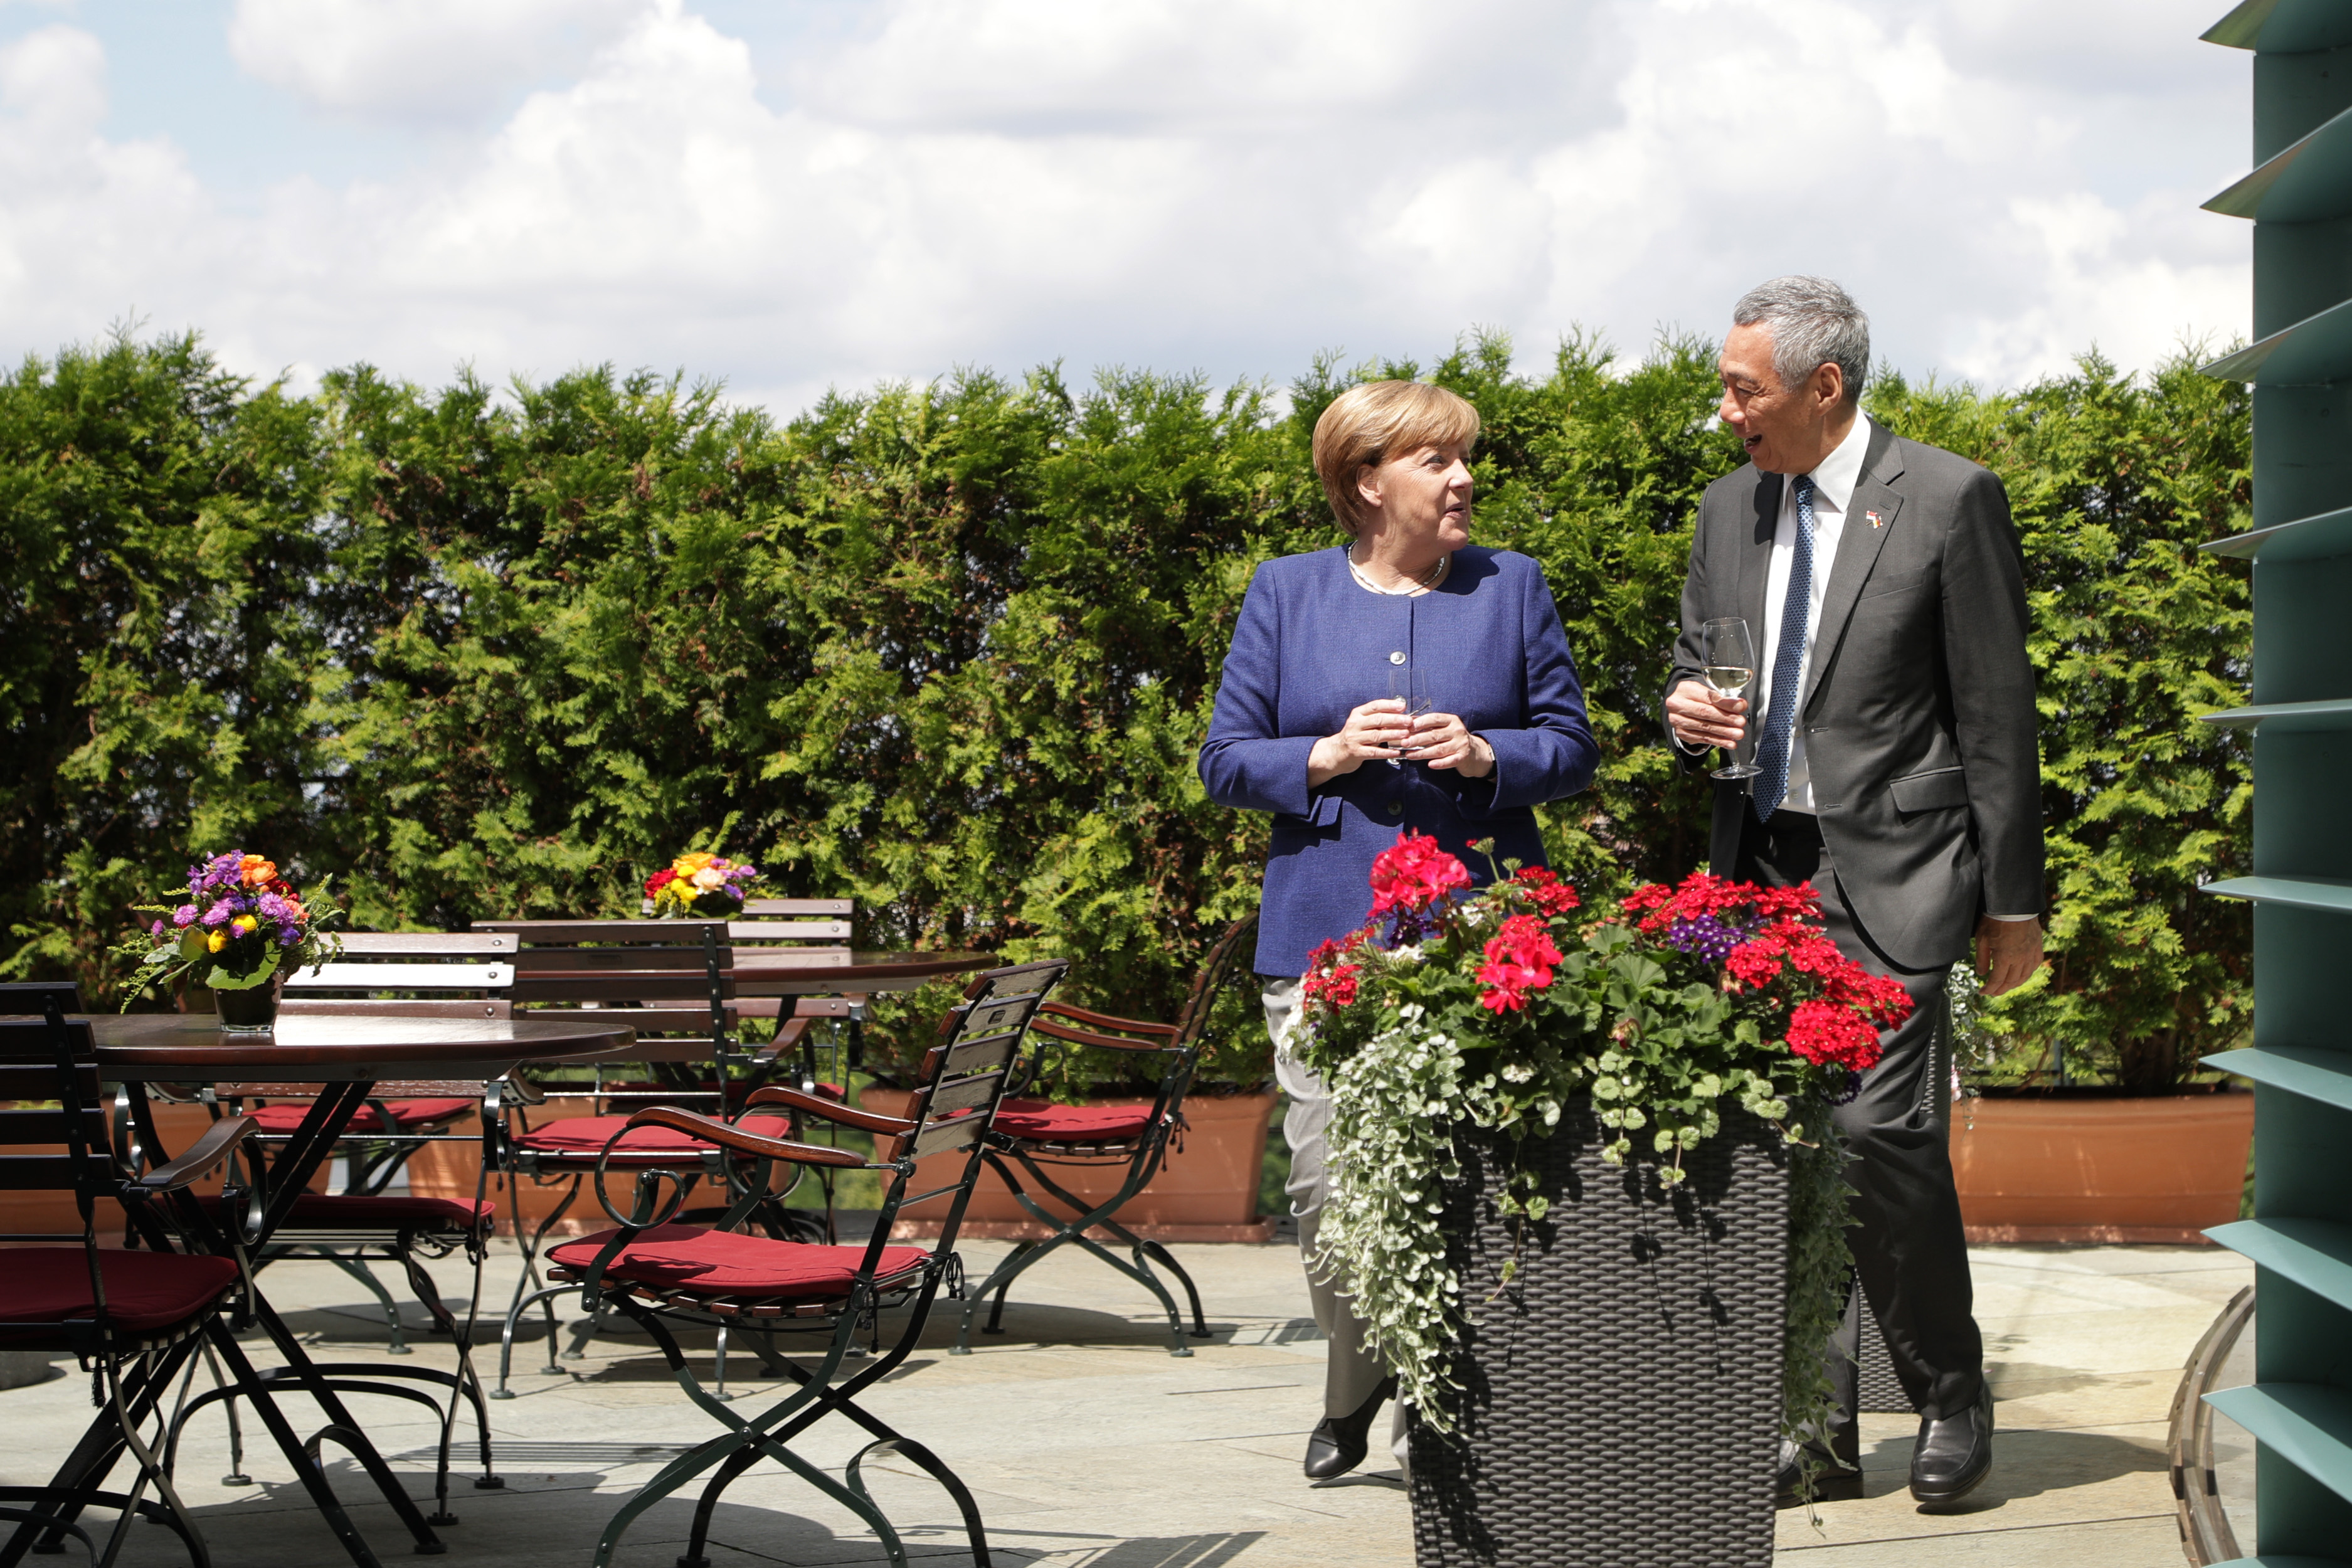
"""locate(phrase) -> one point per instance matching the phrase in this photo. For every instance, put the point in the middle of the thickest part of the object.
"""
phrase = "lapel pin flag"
(1876, 521)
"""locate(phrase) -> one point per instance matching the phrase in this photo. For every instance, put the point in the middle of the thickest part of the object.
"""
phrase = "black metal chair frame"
(1181, 1044)
(578, 969)
(963, 1081)
(132, 1374)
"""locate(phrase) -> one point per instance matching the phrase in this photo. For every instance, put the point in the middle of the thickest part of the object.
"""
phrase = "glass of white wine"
(1730, 659)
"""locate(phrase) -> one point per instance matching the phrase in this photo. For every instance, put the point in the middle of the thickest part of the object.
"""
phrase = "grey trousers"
(1353, 1372)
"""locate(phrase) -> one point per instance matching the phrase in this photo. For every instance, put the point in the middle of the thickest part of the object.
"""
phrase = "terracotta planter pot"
(1205, 1190)
(54, 1213)
(2059, 1166)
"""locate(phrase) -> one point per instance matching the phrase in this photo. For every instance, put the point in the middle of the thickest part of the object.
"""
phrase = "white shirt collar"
(1836, 475)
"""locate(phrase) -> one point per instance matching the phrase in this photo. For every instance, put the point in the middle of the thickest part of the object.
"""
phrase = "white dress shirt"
(1834, 482)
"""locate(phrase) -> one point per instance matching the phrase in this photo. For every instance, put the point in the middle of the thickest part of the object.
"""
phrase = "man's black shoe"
(1954, 1453)
(1834, 1480)
(1338, 1442)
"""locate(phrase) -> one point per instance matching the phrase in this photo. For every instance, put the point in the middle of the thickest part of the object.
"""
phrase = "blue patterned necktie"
(1788, 664)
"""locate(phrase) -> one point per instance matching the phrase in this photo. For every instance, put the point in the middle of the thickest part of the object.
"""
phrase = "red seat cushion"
(1042, 1121)
(145, 1291)
(721, 1263)
(286, 1116)
(362, 1211)
(586, 1136)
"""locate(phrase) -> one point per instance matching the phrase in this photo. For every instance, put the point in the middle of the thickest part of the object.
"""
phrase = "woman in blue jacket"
(1305, 727)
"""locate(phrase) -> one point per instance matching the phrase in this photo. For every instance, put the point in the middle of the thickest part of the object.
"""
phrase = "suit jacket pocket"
(1896, 582)
(1934, 790)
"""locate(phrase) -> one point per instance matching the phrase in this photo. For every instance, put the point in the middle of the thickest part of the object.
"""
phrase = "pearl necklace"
(1421, 585)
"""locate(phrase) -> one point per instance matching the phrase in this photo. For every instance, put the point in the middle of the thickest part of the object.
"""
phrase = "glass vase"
(248, 1012)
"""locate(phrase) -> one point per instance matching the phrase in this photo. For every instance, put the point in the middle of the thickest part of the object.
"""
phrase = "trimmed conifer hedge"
(948, 649)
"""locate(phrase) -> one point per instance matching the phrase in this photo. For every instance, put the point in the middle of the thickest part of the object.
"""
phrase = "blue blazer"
(1312, 643)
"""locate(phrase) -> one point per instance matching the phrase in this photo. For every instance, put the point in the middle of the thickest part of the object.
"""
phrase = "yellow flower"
(688, 865)
(215, 942)
(244, 925)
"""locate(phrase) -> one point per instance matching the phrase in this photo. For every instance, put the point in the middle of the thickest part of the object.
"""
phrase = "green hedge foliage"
(948, 649)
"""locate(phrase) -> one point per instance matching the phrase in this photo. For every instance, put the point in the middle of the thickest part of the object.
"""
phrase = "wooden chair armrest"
(830, 1110)
(1089, 1037)
(1111, 1021)
(208, 1151)
(789, 1034)
(735, 1138)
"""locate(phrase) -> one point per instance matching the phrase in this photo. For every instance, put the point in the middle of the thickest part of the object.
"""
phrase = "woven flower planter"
(1621, 1401)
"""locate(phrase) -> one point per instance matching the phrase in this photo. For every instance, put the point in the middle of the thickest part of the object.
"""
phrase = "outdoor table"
(350, 1053)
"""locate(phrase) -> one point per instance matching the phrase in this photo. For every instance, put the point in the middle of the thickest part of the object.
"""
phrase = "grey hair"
(1813, 322)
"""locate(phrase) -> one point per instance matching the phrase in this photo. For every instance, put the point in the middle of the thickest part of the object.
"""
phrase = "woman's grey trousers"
(1354, 1370)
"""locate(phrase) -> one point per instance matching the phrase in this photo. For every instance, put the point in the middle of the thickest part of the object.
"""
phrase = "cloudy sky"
(791, 194)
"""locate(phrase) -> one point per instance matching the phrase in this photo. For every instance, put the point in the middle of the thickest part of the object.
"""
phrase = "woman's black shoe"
(1338, 1442)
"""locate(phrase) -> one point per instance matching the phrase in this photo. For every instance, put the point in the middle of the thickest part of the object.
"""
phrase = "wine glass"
(1730, 664)
(1409, 684)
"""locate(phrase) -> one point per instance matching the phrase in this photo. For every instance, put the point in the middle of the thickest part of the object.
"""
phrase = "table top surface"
(310, 1047)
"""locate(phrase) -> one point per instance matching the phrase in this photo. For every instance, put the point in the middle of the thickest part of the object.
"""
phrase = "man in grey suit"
(1897, 770)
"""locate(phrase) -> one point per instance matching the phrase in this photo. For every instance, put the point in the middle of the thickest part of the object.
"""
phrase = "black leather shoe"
(1954, 1453)
(1837, 1477)
(1338, 1442)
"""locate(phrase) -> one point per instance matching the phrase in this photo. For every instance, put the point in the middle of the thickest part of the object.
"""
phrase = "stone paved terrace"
(1089, 1447)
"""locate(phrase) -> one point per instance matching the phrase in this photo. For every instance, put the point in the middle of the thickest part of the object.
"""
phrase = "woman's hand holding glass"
(1442, 740)
(1374, 730)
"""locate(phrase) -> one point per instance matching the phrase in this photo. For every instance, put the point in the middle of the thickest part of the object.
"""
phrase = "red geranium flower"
(1825, 1031)
(1518, 959)
(1412, 873)
(1546, 892)
(658, 880)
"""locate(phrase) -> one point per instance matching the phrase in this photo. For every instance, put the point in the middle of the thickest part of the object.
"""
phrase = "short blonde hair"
(1368, 424)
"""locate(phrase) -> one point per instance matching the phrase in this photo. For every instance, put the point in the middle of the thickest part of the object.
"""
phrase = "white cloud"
(1226, 184)
(416, 59)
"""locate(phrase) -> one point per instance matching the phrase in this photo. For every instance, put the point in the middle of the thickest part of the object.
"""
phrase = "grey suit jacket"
(1918, 707)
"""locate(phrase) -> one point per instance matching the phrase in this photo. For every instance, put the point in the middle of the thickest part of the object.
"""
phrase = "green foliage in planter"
(949, 649)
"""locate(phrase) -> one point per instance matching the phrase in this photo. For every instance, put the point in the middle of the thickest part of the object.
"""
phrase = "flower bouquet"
(698, 884)
(1503, 1009)
(241, 929)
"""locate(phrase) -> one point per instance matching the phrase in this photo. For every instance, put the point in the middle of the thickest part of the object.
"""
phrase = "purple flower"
(184, 916)
(288, 935)
(219, 914)
(271, 906)
(155, 930)
(1709, 937)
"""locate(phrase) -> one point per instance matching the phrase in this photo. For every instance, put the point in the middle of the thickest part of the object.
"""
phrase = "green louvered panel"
(2298, 197)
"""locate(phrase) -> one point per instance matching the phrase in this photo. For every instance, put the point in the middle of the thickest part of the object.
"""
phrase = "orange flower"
(253, 871)
(688, 865)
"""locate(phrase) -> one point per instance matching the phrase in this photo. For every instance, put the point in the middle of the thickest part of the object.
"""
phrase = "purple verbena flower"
(288, 935)
(1707, 937)
(184, 916)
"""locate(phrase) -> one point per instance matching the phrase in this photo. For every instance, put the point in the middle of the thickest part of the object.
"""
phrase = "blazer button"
(1397, 657)
(1396, 808)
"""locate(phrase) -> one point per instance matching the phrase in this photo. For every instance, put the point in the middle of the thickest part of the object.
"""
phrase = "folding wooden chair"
(664, 1274)
(1033, 1133)
(436, 974)
(674, 979)
(131, 1318)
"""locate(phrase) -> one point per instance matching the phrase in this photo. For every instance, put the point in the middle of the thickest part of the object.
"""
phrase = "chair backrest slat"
(30, 1058)
(31, 997)
(37, 1173)
(403, 977)
(965, 1072)
(22, 1081)
(50, 1124)
(842, 909)
(400, 1007)
(788, 931)
(437, 944)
